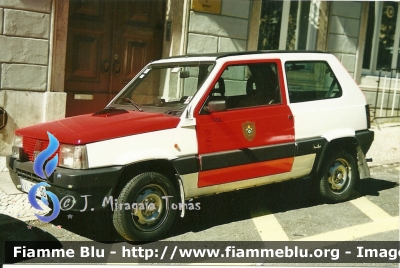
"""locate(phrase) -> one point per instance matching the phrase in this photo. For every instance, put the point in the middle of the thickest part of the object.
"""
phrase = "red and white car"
(192, 126)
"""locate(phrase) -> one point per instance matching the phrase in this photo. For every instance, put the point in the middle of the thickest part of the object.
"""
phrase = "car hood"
(104, 125)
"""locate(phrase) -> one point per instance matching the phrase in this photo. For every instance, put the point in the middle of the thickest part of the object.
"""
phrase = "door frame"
(176, 13)
(58, 45)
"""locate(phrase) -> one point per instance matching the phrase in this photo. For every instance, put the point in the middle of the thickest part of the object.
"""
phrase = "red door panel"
(246, 142)
(223, 131)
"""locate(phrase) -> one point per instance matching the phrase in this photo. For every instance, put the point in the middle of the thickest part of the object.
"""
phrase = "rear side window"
(311, 81)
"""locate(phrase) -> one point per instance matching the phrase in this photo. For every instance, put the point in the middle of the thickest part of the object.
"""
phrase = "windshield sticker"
(146, 71)
(141, 76)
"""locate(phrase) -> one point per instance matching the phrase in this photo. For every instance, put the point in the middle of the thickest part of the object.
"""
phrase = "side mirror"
(215, 106)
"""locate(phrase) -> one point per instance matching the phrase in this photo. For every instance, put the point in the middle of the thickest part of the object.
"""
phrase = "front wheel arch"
(161, 166)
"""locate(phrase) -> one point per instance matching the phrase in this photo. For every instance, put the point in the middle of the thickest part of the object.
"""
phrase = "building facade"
(67, 57)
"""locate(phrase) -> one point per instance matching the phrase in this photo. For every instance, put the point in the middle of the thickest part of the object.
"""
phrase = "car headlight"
(72, 156)
(17, 146)
(17, 141)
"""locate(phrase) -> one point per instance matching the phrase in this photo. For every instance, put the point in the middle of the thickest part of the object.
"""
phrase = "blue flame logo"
(44, 174)
(34, 203)
(44, 155)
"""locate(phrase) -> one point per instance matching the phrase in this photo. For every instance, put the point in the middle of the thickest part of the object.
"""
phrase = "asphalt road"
(279, 212)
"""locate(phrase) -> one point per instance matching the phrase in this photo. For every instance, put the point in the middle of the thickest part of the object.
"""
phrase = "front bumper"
(85, 189)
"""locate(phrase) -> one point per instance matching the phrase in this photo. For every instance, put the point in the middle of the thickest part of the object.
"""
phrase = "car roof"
(228, 54)
(215, 56)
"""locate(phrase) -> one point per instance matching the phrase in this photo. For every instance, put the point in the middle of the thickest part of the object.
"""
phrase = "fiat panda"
(197, 125)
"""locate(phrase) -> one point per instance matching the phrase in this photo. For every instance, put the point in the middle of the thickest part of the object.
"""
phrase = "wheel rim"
(151, 211)
(339, 176)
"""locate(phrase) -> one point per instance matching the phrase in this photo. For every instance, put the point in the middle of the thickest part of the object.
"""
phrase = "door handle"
(105, 66)
(117, 66)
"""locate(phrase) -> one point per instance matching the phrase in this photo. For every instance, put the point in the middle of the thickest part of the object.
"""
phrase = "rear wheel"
(339, 176)
(144, 211)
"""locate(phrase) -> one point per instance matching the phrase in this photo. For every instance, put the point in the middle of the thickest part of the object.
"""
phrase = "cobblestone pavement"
(384, 150)
(17, 206)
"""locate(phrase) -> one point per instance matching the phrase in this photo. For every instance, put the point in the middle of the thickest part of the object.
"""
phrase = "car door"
(251, 134)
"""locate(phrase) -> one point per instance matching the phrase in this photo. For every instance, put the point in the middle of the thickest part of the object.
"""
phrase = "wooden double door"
(109, 42)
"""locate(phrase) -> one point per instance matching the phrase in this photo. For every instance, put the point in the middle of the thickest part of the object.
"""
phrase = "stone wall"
(25, 42)
(344, 30)
(225, 32)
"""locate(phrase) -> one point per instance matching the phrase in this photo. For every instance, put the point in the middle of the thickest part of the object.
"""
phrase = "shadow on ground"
(372, 186)
(224, 208)
(241, 205)
(92, 225)
(14, 231)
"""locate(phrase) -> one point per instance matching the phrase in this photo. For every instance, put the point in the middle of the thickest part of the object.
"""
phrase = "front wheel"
(144, 210)
(339, 177)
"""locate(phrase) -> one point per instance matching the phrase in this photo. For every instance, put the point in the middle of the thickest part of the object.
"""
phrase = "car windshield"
(164, 88)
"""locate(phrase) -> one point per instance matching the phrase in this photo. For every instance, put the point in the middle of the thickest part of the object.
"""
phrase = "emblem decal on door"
(249, 130)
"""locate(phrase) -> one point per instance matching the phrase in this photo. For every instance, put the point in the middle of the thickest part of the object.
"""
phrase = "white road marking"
(373, 211)
(357, 231)
(269, 228)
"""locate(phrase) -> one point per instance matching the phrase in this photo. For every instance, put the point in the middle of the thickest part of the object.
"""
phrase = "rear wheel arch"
(348, 144)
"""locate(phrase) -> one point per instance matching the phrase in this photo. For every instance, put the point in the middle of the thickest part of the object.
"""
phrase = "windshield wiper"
(132, 102)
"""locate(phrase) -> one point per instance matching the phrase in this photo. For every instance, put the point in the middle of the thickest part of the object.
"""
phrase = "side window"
(311, 81)
(247, 85)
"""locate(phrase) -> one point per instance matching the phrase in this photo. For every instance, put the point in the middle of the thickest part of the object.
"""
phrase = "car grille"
(30, 145)
(29, 176)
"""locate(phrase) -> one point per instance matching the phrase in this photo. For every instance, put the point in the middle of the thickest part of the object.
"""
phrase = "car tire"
(338, 177)
(159, 207)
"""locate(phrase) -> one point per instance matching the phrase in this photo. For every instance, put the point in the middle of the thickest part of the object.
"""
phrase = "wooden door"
(108, 44)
